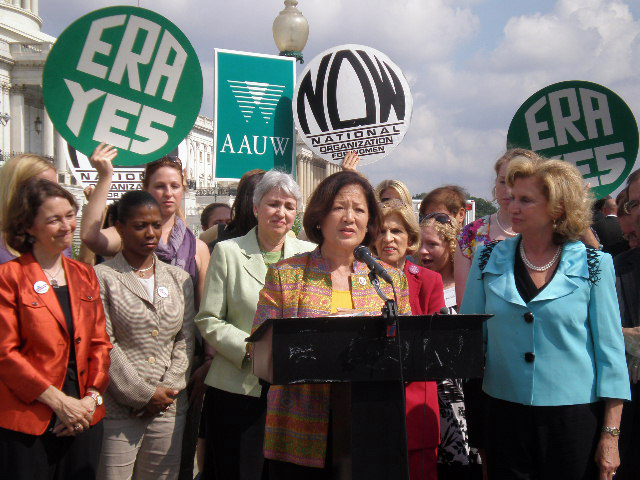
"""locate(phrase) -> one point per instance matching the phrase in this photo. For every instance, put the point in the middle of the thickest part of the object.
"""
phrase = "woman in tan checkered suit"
(149, 310)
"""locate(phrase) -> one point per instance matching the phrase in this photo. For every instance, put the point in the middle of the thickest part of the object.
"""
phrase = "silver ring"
(77, 427)
(161, 413)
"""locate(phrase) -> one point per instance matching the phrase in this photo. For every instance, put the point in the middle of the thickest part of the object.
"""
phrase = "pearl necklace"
(534, 267)
(141, 272)
(509, 233)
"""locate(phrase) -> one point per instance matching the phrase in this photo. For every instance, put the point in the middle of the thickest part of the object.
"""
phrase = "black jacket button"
(529, 357)
(78, 340)
(528, 317)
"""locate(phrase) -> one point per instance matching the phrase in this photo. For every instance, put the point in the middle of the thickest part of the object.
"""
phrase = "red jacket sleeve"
(99, 359)
(16, 372)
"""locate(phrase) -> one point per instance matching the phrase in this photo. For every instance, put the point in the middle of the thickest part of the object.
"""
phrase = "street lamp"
(37, 125)
(291, 31)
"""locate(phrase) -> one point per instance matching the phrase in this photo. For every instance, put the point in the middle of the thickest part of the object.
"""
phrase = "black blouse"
(70, 385)
(526, 288)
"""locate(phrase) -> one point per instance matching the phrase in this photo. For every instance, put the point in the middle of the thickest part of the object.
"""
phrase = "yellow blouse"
(341, 299)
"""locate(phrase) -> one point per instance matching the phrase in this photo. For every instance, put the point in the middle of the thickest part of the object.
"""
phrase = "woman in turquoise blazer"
(555, 371)
(234, 409)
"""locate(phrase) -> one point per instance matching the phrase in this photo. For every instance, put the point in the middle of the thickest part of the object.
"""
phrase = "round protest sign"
(583, 123)
(352, 97)
(125, 76)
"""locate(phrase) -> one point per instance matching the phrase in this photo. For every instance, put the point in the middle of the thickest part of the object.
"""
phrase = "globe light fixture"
(291, 31)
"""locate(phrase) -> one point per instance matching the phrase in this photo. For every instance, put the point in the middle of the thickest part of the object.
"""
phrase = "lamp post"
(291, 31)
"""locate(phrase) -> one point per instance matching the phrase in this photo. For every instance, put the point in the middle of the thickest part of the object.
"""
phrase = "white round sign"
(352, 97)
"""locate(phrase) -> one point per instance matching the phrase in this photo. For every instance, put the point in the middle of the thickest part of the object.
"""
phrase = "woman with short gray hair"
(235, 417)
(275, 179)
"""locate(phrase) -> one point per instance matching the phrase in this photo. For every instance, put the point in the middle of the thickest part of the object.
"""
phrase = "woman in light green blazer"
(235, 410)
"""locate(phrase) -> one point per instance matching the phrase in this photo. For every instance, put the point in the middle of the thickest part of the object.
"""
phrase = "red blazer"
(35, 343)
(426, 296)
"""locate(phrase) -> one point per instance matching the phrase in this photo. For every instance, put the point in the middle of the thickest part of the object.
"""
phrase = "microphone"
(363, 254)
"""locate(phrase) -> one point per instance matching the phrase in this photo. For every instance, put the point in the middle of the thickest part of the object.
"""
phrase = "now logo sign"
(126, 76)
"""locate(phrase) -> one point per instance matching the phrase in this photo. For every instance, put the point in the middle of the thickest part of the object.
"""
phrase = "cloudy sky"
(470, 63)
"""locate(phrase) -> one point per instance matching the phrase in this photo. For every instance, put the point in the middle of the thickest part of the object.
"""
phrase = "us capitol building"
(25, 126)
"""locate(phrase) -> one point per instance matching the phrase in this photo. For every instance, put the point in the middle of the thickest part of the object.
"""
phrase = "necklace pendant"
(54, 283)
(140, 274)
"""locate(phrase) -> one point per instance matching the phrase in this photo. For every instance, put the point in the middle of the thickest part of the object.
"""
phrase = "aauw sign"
(253, 121)
(583, 123)
(352, 97)
(125, 76)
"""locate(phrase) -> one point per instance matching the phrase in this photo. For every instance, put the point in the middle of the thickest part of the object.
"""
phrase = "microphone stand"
(390, 308)
(390, 314)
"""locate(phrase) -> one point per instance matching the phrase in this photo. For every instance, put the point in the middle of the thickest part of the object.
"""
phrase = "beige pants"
(141, 448)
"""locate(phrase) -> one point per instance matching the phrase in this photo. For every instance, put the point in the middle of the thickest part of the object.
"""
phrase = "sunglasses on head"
(438, 217)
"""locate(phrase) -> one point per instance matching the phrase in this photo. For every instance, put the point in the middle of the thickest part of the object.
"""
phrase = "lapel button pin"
(41, 287)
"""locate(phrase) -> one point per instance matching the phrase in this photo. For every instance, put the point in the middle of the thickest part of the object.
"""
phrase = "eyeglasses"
(438, 217)
(630, 206)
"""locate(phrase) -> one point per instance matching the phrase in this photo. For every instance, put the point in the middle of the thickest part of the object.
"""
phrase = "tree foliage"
(483, 207)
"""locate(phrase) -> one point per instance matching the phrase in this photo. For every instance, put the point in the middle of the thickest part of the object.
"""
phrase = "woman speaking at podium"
(341, 215)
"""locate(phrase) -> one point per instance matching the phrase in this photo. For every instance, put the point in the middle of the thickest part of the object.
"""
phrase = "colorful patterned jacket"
(300, 286)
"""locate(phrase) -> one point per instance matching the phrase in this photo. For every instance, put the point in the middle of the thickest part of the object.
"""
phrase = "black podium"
(360, 351)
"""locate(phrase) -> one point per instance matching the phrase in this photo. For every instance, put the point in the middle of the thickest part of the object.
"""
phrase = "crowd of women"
(134, 366)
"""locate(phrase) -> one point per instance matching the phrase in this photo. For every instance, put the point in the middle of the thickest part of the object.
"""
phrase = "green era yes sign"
(583, 123)
(125, 76)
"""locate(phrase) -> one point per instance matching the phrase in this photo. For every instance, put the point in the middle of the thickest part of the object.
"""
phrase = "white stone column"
(16, 102)
(298, 176)
(17, 3)
(47, 136)
(35, 8)
(308, 178)
(6, 129)
(60, 157)
(26, 4)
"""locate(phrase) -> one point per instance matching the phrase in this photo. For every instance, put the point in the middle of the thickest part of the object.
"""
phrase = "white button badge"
(163, 292)
(41, 287)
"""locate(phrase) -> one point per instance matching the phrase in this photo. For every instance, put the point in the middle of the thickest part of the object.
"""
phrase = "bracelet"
(613, 431)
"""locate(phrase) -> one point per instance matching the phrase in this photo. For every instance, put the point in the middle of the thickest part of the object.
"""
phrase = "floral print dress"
(454, 442)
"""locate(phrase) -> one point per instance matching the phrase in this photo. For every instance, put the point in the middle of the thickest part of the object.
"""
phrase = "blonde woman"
(16, 172)
(399, 236)
(555, 373)
(393, 189)
(455, 458)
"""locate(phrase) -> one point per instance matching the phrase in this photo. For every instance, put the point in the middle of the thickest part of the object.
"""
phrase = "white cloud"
(471, 104)
(464, 96)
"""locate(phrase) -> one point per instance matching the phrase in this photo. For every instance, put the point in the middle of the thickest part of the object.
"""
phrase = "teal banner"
(253, 118)
(125, 76)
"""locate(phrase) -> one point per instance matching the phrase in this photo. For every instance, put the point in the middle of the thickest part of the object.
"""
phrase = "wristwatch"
(96, 396)
(613, 431)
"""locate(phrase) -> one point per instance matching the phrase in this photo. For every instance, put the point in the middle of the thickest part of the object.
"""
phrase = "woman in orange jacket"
(54, 348)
